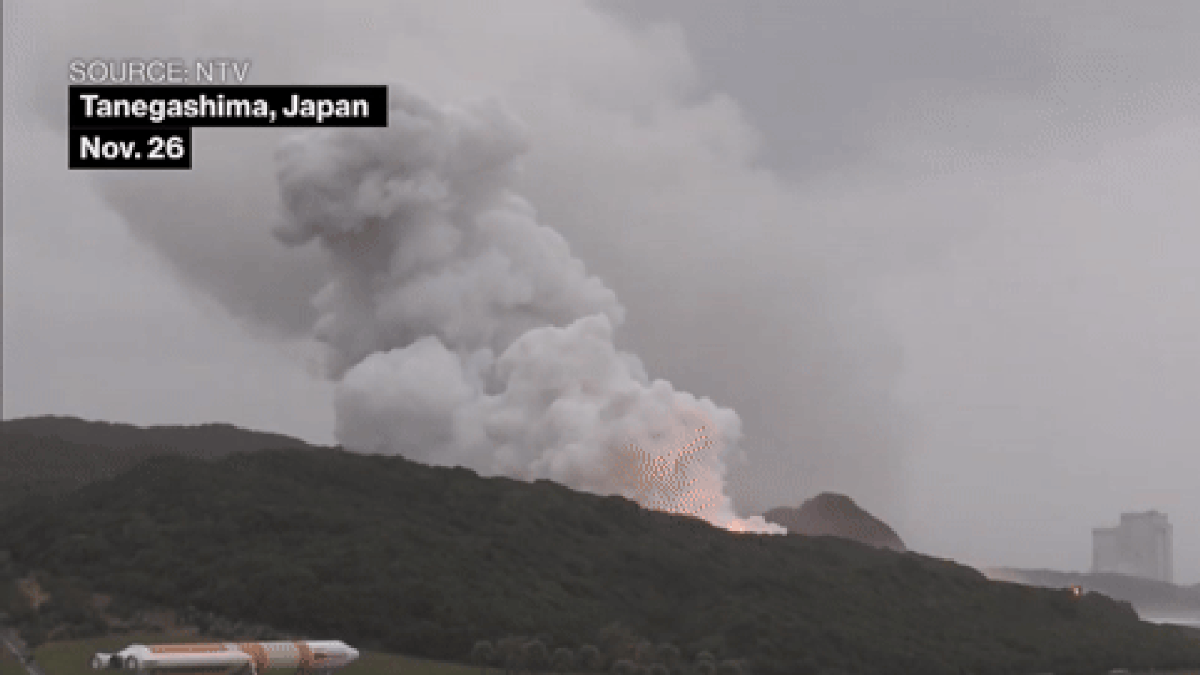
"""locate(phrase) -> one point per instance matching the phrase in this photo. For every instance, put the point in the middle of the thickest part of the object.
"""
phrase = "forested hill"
(52, 455)
(383, 552)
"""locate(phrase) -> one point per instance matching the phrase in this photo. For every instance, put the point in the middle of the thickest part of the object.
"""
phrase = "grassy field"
(9, 664)
(73, 658)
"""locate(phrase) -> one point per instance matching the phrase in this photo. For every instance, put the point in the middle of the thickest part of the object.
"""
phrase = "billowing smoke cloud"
(465, 333)
(738, 282)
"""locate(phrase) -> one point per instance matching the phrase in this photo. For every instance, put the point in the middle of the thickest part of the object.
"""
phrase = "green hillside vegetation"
(391, 555)
(54, 455)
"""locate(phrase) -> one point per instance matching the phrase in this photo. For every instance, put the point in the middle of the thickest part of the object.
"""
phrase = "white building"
(1140, 546)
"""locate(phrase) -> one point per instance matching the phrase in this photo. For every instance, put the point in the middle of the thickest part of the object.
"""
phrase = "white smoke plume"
(465, 333)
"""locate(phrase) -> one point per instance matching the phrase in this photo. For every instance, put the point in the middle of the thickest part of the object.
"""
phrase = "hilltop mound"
(830, 514)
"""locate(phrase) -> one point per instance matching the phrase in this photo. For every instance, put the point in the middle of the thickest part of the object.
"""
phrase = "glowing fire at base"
(662, 476)
(679, 470)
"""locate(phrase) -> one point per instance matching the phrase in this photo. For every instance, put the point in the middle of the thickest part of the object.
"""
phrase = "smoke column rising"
(463, 332)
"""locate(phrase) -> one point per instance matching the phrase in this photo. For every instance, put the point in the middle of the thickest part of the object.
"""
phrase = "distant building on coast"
(1140, 546)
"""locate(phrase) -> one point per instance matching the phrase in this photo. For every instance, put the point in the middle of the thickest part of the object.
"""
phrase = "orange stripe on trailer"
(188, 649)
(262, 660)
(306, 657)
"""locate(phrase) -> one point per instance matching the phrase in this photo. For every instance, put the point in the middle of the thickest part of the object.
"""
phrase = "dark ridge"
(202, 440)
(1146, 595)
(53, 455)
(835, 515)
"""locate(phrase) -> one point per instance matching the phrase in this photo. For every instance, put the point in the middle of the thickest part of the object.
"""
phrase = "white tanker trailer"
(230, 658)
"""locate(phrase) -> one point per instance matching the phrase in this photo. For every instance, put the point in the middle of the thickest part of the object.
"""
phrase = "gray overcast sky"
(938, 256)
